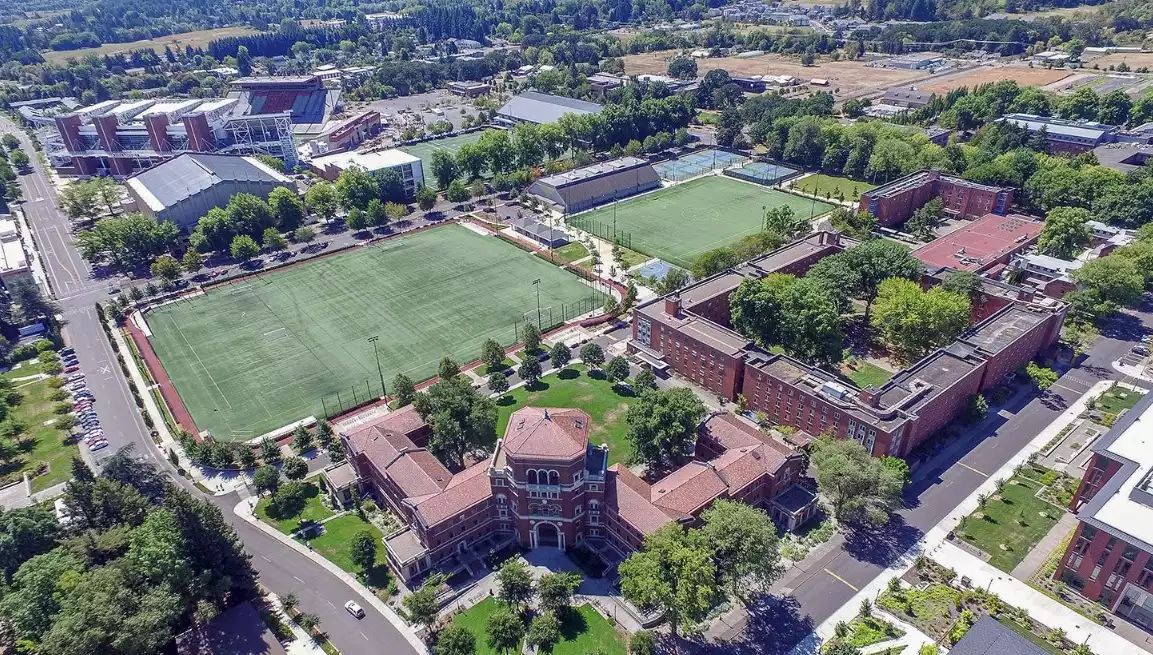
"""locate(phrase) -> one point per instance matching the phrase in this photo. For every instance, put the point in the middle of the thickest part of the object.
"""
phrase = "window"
(532, 477)
(594, 487)
(498, 482)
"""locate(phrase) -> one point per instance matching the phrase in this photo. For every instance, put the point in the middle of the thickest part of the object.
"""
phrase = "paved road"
(281, 569)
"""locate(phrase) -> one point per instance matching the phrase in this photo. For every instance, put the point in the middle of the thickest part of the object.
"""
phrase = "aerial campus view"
(468, 328)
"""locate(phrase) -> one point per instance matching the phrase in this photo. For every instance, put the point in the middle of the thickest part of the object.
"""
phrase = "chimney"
(871, 396)
(673, 304)
(1026, 294)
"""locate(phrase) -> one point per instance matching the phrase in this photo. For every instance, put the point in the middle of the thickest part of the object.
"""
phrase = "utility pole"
(536, 285)
(379, 371)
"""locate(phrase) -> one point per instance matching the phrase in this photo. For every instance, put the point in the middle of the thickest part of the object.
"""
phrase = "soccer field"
(451, 144)
(680, 222)
(253, 356)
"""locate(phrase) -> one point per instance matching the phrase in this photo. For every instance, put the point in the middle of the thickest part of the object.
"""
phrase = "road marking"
(365, 636)
(299, 580)
(265, 559)
(330, 603)
(842, 580)
(980, 473)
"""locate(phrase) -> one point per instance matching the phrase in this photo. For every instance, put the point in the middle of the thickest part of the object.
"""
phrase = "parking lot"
(421, 109)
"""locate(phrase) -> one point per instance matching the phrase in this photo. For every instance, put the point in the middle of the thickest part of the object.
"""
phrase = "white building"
(13, 259)
(408, 166)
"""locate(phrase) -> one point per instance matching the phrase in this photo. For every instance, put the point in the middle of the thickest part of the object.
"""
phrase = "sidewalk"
(912, 640)
(244, 510)
(303, 643)
(1036, 557)
(938, 534)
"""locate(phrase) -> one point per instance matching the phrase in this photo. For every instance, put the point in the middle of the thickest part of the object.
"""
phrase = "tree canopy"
(675, 572)
(662, 426)
(462, 420)
(914, 322)
(860, 487)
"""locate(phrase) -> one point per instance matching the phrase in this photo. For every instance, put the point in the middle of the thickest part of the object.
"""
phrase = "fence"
(605, 231)
(697, 163)
(554, 316)
(353, 397)
(762, 173)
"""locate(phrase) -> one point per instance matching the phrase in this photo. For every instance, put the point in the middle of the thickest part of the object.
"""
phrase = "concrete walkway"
(912, 640)
(244, 509)
(938, 536)
(1036, 557)
(303, 643)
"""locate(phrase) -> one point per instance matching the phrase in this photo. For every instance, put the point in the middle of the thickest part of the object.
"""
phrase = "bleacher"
(306, 99)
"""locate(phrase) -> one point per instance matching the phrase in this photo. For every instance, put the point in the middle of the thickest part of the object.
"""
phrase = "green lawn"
(583, 630)
(1116, 399)
(934, 603)
(253, 356)
(680, 222)
(450, 144)
(630, 258)
(26, 368)
(40, 444)
(572, 252)
(1000, 523)
(868, 631)
(314, 511)
(333, 545)
(821, 184)
(866, 374)
(574, 387)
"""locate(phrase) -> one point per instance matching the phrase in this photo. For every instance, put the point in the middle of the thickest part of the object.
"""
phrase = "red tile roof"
(630, 496)
(743, 466)
(381, 447)
(405, 420)
(465, 489)
(730, 432)
(688, 489)
(418, 473)
(546, 432)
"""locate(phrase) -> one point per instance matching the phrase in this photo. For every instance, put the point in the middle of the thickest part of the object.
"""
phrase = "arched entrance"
(547, 536)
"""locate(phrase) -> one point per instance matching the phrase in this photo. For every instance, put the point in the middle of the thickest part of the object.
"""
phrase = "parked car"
(97, 446)
(72, 369)
(68, 350)
(1141, 350)
(75, 377)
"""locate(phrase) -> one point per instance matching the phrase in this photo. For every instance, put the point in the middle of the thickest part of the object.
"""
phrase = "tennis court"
(451, 144)
(253, 356)
(680, 222)
(696, 163)
(762, 172)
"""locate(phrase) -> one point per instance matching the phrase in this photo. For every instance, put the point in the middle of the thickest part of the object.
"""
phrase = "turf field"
(253, 356)
(680, 222)
(425, 149)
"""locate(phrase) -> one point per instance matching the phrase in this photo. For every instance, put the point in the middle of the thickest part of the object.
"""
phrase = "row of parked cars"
(82, 403)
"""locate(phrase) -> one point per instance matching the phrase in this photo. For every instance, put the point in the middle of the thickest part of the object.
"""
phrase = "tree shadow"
(881, 545)
(774, 627)
(505, 401)
(573, 624)
(434, 216)
(568, 374)
(1124, 327)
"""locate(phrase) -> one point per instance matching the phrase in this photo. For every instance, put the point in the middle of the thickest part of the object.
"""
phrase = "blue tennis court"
(696, 163)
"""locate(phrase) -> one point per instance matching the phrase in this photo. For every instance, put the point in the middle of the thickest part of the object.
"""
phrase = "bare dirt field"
(984, 75)
(198, 39)
(1135, 60)
(846, 78)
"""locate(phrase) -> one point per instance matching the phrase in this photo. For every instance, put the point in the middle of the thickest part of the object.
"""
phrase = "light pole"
(379, 371)
(536, 285)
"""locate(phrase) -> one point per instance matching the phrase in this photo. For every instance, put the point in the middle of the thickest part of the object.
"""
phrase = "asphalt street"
(281, 569)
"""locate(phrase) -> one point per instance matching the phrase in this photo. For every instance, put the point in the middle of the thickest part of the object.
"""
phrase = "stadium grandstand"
(123, 137)
(587, 187)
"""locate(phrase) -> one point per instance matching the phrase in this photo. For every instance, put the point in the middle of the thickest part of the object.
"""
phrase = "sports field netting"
(761, 172)
(680, 222)
(696, 163)
(450, 144)
(253, 356)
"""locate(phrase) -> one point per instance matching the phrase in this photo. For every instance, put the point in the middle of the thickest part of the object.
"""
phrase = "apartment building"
(896, 201)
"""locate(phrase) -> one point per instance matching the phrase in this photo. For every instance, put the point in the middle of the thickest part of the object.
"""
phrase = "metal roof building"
(989, 637)
(537, 107)
(587, 187)
(184, 188)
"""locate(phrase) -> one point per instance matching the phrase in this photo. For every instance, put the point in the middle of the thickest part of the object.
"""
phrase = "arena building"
(896, 201)
(539, 108)
(590, 186)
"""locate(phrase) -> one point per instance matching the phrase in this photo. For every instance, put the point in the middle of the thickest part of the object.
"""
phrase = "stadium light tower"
(379, 371)
(536, 285)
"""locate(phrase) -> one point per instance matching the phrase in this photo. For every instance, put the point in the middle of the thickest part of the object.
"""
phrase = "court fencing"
(604, 231)
(696, 164)
(766, 173)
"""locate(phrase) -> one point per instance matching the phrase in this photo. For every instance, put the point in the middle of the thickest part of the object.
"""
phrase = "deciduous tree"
(166, 268)
(355, 187)
(560, 355)
(403, 389)
(515, 584)
(456, 640)
(662, 426)
(744, 541)
(287, 207)
(362, 550)
(321, 199)
(544, 631)
(915, 322)
(462, 421)
(674, 572)
(422, 605)
(860, 488)
(1113, 278)
(592, 355)
(529, 370)
(1065, 233)
(244, 248)
(505, 630)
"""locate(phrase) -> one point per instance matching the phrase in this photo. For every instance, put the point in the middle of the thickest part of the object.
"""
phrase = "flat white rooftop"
(370, 161)
(1125, 509)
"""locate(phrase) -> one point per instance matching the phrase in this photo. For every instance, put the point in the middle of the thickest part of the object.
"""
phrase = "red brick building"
(689, 332)
(984, 246)
(546, 486)
(1110, 558)
(896, 201)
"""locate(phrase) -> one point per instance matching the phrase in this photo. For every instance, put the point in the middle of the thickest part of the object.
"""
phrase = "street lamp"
(536, 285)
(379, 371)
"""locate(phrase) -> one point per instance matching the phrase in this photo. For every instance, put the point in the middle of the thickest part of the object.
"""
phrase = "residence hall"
(896, 201)
(545, 485)
(984, 246)
(689, 332)
(1110, 558)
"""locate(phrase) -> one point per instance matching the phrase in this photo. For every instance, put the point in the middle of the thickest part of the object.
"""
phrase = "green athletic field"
(680, 222)
(253, 356)
(425, 149)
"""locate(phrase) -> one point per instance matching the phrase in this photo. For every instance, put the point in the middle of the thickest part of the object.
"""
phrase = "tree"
(915, 322)
(321, 199)
(529, 371)
(1114, 110)
(515, 583)
(273, 240)
(425, 198)
(1065, 233)
(1114, 278)
(492, 355)
(79, 200)
(129, 241)
(560, 355)
(266, 479)
(617, 370)
(249, 215)
(295, 468)
(744, 540)
(505, 630)
(472, 160)
(444, 168)
(782, 220)
(859, 225)
(375, 214)
(592, 355)
(269, 451)
(1042, 377)
(497, 383)
(544, 631)
(287, 208)
(422, 605)
(362, 551)
(308, 622)
(448, 369)
(556, 590)
(859, 271)
(192, 261)
(25, 533)
(457, 192)
(403, 390)
(966, 283)
(800, 316)
(642, 642)
(244, 248)
(356, 219)
(714, 261)
(303, 234)
(462, 420)
(18, 159)
(243, 62)
(355, 187)
(861, 489)
(455, 640)
(645, 381)
(682, 68)
(925, 221)
(674, 572)
(166, 268)
(662, 426)
(531, 337)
